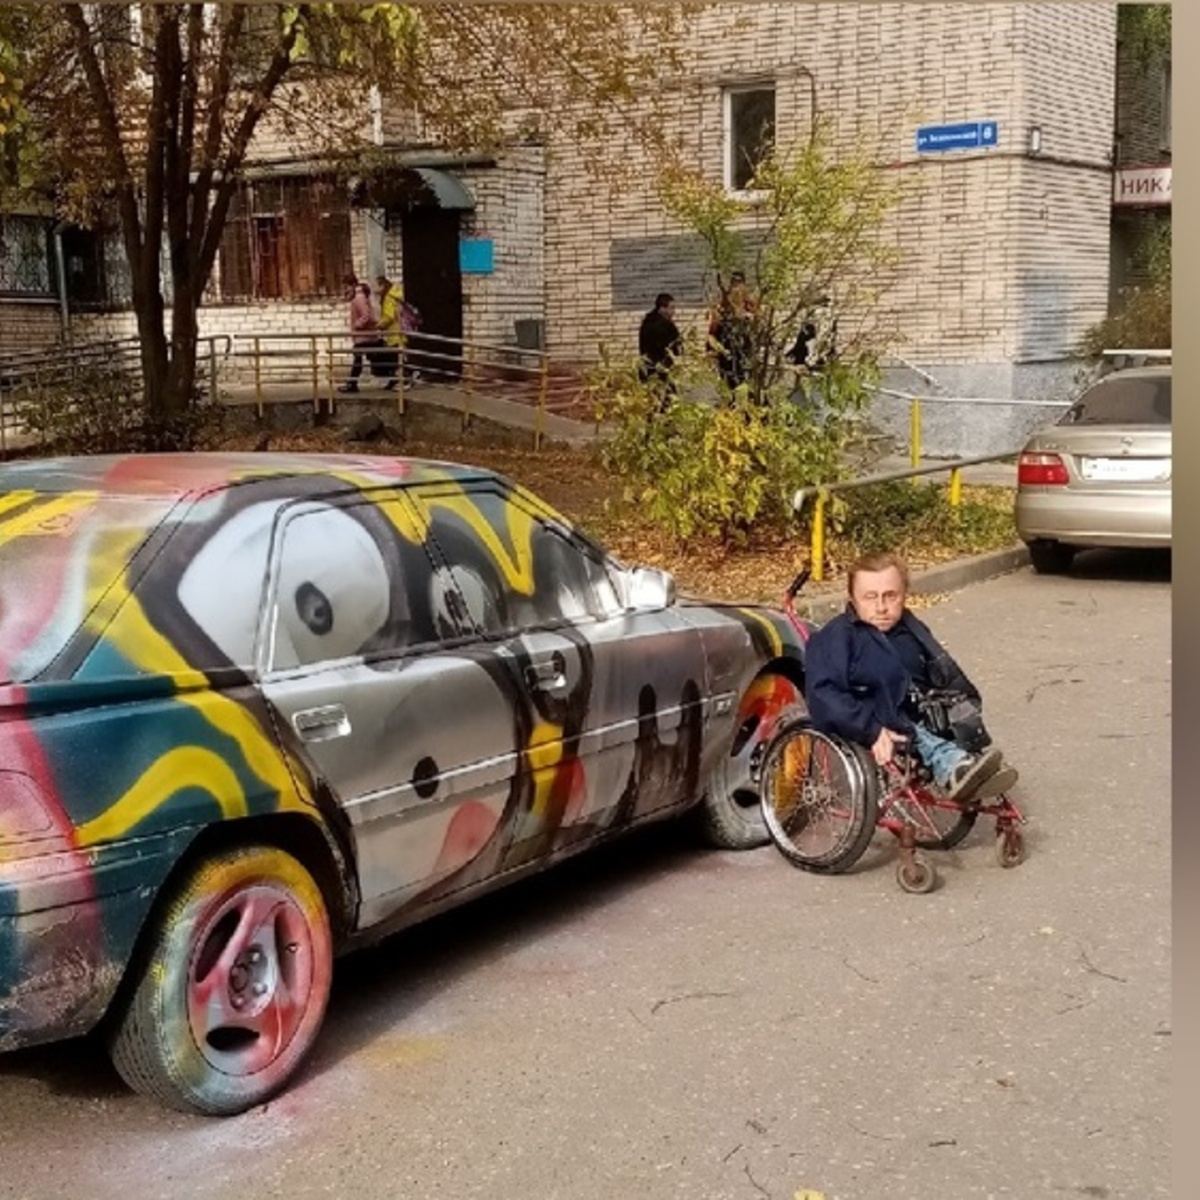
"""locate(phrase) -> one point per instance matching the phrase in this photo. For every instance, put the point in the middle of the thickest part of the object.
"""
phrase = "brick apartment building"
(1014, 241)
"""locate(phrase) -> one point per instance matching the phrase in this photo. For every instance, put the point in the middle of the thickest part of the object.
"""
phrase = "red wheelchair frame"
(907, 799)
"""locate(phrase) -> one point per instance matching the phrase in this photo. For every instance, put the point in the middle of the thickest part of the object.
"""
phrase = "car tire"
(730, 813)
(1050, 557)
(232, 989)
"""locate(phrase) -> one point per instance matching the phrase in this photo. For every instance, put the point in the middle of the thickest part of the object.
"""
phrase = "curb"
(948, 577)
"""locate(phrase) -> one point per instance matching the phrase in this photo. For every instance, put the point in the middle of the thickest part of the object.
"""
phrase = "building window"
(749, 133)
(286, 239)
(84, 260)
(25, 263)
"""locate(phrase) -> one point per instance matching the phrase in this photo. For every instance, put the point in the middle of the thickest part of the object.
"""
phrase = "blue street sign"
(967, 135)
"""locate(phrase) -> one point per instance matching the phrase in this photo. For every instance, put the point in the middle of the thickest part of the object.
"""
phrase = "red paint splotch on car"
(766, 700)
(59, 954)
(469, 831)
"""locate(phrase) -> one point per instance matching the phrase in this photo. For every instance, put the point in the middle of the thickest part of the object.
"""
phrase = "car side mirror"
(649, 588)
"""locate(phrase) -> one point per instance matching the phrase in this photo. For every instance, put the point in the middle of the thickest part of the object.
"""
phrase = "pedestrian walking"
(391, 303)
(364, 336)
(659, 344)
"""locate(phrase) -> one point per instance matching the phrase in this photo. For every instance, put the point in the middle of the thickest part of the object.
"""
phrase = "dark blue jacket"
(856, 683)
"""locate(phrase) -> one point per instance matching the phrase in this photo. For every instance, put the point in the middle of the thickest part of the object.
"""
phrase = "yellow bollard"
(329, 376)
(818, 538)
(470, 388)
(956, 487)
(915, 433)
(543, 383)
(258, 396)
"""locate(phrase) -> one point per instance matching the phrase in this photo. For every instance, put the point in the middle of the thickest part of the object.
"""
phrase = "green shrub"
(101, 411)
(705, 466)
(911, 517)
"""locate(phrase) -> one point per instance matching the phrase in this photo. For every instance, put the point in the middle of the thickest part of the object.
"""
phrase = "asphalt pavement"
(660, 1021)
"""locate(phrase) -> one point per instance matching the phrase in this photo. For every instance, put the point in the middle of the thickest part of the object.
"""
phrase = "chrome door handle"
(321, 724)
(548, 675)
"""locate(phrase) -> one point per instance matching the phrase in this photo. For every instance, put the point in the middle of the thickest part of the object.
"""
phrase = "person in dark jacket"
(659, 343)
(870, 670)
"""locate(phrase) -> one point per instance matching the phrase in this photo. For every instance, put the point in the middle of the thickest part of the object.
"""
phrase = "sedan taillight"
(1041, 469)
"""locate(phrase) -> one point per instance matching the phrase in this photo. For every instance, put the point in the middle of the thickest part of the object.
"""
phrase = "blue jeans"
(939, 754)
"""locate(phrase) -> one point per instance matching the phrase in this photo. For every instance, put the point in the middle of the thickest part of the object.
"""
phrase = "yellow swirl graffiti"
(544, 753)
(187, 767)
(142, 644)
(517, 563)
(48, 516)
(772, 632)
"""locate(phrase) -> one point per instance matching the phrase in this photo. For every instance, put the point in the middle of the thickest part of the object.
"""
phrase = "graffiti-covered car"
(257, 708)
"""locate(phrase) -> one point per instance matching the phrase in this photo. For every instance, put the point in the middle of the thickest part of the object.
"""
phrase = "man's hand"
(885, 745)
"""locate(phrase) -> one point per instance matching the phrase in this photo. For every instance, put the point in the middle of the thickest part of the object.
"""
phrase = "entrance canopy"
(402, 188)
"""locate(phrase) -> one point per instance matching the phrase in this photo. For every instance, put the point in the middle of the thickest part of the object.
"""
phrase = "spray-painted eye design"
(314, 609)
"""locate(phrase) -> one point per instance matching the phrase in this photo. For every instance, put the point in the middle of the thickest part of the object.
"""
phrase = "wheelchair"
(823, 797)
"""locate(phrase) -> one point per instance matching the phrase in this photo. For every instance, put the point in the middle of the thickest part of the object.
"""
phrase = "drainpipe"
(60, 269)
(376, 246)
(375, 102)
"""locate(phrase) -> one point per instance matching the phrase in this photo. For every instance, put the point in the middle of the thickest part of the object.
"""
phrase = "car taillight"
(26, 825)
(1041, 469)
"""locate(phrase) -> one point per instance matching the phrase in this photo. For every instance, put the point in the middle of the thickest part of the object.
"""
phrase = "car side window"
(516, 568)
(349, 582)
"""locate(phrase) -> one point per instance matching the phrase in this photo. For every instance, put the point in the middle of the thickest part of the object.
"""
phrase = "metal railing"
(30, 377)
(313, 365)
(309, 366)
(917, 405)
(821, 492)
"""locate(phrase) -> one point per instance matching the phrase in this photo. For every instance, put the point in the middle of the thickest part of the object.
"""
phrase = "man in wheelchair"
(877, 676)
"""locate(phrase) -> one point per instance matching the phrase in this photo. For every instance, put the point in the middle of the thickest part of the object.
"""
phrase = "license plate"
(1126, 470)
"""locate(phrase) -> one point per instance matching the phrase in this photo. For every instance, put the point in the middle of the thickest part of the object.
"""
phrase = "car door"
(365, 655)
(613, 697)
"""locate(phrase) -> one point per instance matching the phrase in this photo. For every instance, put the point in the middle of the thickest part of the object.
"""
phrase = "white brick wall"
(29, 325)
(510, 210)
(1005, 259)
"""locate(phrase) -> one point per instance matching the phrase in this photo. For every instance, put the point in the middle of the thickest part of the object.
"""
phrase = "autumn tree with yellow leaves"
(147, 114)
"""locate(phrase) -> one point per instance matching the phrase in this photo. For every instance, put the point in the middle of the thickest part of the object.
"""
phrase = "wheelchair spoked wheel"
(818, 802)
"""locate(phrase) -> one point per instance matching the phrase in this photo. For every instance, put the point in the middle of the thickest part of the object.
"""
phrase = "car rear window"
(59, 553)
(1130, 401)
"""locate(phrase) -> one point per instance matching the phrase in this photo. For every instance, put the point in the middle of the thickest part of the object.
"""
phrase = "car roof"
(196, 473)
(1155, 372)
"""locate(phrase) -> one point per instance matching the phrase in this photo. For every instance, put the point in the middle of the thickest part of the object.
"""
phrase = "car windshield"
(1132, 400)
(59, 553)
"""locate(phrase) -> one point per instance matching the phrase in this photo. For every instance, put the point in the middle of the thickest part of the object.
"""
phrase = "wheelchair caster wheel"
(1010, 848)
(917, 875)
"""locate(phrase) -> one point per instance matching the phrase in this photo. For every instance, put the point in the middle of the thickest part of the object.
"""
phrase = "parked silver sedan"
(217, 769)
(1102, 475)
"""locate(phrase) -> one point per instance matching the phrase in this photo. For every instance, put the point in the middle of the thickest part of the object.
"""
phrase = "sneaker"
(966, 778)
(390, 385)
(997, 784)
(348, 387)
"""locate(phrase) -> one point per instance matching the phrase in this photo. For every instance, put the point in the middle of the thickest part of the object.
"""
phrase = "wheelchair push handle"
(794, 588)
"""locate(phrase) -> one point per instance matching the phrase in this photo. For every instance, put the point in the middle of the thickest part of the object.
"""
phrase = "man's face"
(668, 311)
(878, 597)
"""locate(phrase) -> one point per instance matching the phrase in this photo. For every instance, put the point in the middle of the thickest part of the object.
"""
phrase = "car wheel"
(233, 989)
(731, 814)
(1051, 558)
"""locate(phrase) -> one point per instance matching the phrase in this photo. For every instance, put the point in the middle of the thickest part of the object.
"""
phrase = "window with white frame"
(749, 132)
